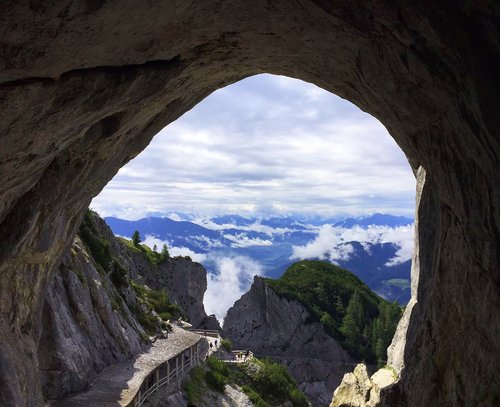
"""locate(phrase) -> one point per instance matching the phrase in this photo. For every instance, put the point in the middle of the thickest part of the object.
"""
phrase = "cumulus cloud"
(332, 243)
(266, 144)
(233, 277)
(242, 240)
(328, 245)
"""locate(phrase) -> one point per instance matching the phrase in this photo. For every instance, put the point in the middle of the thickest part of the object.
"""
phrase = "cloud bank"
(332, 243)
(267, 144)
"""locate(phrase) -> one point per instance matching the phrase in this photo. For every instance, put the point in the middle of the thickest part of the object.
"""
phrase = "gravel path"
(117, 384)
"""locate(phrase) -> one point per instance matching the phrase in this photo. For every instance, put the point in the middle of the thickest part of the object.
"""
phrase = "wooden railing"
(206, 332)
(170, 373)
(237, 356)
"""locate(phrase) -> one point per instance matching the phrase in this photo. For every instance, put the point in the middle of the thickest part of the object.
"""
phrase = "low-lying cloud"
(332, 243)
(232, 278)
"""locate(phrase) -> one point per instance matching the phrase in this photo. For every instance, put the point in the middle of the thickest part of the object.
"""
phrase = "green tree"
(353, 323)
(136, 239)
(164, 252)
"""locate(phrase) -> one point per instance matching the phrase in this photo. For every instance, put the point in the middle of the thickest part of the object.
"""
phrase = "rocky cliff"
(84, 86)
(284, 330)
(185, 280)
(86, 325)
(96, 303)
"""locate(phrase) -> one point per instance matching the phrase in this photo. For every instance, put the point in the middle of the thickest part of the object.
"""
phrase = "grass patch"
(150, 255)
(194, 388)
(264, 382)
(153, 300)
(227, 344)
(97, 244)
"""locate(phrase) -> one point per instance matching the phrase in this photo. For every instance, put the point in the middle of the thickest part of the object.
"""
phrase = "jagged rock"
(85, 326)
(210, 323)
(84, 86)
(272, 326)
(359, 390)
(185, 280)
(87, 322)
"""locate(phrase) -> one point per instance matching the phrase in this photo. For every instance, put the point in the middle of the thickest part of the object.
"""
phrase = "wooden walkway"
(128, 383)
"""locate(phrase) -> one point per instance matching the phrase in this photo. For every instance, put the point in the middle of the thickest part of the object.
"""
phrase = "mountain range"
(376, 248)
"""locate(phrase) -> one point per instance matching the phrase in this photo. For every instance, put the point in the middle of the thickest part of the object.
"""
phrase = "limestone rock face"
(284, 330)
(185, 280)
(86, 320)
(82, 331)
(84, 86)
(359, 390)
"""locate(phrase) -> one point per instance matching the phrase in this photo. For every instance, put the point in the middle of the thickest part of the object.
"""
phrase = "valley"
(377, 248)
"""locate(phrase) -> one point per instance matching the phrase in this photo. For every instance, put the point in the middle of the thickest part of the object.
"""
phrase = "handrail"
(204, 332)
(184, 361)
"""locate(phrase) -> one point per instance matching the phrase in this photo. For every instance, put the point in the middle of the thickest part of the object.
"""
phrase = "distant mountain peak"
(377, 219)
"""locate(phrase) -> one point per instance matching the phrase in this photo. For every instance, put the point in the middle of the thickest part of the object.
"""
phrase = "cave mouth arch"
(67, 127)
(271, 146)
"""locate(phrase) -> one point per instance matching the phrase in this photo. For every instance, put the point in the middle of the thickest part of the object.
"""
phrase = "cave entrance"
(265, 147)
(266, 172)
(80, 101)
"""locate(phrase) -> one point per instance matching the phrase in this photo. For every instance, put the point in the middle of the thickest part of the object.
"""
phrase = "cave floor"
(117, 384)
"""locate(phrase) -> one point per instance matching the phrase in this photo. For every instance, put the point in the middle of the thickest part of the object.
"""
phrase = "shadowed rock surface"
(87, 322)
(84, 86)
(81, 332)
(272, 326)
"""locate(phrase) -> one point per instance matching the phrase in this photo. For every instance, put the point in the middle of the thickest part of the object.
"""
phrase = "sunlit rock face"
(84, 86)
(273, 326)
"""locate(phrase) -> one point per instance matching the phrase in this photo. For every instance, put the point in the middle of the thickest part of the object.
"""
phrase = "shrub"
(227, 344)
(218, 366)
(194, 386)
(215, 380)
(118, 275)
(254, 397)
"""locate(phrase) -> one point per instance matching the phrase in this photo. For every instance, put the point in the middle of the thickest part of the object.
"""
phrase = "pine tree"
(353, 323)
(164, 252)
(136, 239)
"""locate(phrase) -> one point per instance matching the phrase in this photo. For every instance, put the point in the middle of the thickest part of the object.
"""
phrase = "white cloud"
(331, 243)
(233, 278)
(242, 240)
(233, 275)
(328, 245)
(266, 143)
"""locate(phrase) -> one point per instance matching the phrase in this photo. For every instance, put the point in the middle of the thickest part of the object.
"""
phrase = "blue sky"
(266, 145)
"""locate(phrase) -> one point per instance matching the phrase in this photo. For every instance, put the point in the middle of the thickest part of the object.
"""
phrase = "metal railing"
(169, 373)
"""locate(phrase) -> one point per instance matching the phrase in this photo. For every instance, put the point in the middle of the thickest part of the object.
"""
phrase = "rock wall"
(185, 280)
(84, 86)
(86, 320)
(284, 330)
(359, 390)
(82, 329)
